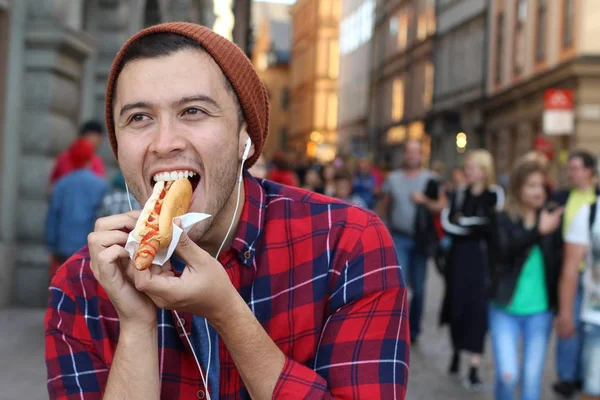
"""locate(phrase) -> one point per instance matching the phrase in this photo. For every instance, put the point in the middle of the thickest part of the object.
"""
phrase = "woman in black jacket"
(523, 291)
(470, 222)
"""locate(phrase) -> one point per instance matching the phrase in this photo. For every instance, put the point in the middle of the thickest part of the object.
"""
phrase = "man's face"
(343, 188)
(413, 155)
(577, 173)
(95, 138)
(174, 113)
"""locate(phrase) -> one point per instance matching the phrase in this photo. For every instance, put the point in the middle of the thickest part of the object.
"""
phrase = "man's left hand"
(418, 198)
(203, 289)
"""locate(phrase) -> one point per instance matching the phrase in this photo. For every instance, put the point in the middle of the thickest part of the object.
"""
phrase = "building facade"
(271, 58)
(402, 76)
(55, 57)
(314, 72)
(455, 122)
(537, 45)
(356, 30)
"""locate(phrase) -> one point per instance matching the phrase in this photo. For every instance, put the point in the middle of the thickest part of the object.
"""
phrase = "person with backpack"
(582, 242)
(470, 221)
(524, 280)
(582, 174)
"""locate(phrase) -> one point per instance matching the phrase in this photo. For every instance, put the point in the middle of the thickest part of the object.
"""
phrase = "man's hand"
(565, 325)
(204, 288)
(109, 259)
(418, 198)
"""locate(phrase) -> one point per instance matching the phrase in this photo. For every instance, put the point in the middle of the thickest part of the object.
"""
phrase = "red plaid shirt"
(320, 275)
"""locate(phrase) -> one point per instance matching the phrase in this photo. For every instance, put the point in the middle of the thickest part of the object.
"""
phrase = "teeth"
(173, 175)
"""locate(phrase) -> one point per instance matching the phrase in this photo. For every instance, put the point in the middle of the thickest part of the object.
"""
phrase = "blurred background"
(347, 80)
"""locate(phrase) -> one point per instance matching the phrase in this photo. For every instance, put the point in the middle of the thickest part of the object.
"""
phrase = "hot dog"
(154, 228)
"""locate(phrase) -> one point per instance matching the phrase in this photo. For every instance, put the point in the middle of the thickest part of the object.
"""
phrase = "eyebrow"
(131, 106)
(201, 98)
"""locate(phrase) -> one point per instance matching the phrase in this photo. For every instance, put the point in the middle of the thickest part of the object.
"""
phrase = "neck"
(212, 239)
(477, 187)
(412, 170)
(585, 186)
(529, 215)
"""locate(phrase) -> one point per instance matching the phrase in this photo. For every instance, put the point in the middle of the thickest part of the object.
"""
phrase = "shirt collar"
(252, 220)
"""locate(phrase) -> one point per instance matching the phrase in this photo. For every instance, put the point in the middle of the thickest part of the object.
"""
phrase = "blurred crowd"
(518, 259)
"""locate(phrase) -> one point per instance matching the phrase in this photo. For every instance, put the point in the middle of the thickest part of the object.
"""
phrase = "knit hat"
(81, 153)
(238, 69)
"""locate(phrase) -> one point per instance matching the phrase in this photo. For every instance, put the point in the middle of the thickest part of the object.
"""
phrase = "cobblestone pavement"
(23, 374)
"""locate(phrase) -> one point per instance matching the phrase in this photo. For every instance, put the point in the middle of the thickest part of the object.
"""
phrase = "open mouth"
(192, 176)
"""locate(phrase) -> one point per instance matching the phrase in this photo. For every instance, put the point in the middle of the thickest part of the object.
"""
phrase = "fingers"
(125, 222)
(106, 264)
(107, 238)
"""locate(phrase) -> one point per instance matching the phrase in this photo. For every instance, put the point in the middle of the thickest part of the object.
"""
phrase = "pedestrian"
(524, 283)
(312, 181)
(74, 202)
(470, 220)
(582, 242)
(343, 189)
(328, 176)
(581, 170)
(364, 184)
(403, 192)
(279, 294)
(118, 200)
(92, 131)
(283, 172)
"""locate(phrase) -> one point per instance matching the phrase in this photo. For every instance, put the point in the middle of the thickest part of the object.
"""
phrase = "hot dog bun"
(176, 203)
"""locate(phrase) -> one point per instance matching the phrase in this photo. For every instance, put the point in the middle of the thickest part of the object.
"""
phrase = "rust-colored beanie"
(238, 69)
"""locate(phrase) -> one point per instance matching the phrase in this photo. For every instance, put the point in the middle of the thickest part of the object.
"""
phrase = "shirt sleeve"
(363, 352)
(75, 370)
(52, 218)
(579, 229)
(386, 188)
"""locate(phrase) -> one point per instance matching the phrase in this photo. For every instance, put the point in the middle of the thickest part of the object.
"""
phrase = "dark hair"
(342, 175)
(588, 160)
(164, 44)
(91, 126)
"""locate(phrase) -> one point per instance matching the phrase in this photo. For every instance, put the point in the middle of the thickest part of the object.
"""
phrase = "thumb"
(189, 251)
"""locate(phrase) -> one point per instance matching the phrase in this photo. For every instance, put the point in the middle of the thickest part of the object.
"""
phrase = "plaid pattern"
(320, 275)
(116, 202)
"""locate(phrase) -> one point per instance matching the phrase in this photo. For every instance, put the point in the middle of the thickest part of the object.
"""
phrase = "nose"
(167, 141)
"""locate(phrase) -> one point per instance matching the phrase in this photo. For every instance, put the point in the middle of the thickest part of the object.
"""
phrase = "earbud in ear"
(247, 147)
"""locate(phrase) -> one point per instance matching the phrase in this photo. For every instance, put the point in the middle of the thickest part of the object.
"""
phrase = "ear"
(243, 138)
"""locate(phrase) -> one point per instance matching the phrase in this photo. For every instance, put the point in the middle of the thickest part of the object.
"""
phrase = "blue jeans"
(506, 331)
(414, 266)
(591, 359)
(568, 351)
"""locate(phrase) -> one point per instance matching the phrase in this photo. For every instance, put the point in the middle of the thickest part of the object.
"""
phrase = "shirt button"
(181, 322)
(247, 255)
(200, 394)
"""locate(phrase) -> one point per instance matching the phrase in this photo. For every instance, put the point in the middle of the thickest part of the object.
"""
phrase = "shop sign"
(559, 116)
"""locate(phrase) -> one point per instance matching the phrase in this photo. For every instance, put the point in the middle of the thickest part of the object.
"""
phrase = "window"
(285, 98)
(428, 91)
(402, 29)
(334, 59)
(397, 99)
(567, 26)
(499, 47)
(540, 35)
(519, 38)
(396, 134)
(332, 111)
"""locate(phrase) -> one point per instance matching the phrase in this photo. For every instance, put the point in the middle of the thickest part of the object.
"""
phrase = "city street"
(23, 374)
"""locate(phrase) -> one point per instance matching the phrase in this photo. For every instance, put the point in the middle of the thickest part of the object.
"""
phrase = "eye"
(193, 111)
(138, 117)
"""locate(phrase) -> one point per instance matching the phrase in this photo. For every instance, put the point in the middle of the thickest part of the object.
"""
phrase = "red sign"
(544, 146)
(558, 99)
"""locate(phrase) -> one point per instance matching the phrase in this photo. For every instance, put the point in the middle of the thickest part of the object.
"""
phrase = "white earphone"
(247, 147)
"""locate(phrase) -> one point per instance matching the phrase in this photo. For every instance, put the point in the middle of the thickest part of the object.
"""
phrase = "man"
(92, 132)
(581, 170)
(305, 301)
(402, 193)
(117, 200)
(74, 203)
(343, 189)
(364, 182)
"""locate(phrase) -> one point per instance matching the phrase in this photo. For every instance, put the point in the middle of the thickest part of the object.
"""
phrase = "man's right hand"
(108, 261)
(565, 325)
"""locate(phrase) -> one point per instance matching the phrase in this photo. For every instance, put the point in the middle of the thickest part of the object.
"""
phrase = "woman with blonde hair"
(524, 287)
(470, 220)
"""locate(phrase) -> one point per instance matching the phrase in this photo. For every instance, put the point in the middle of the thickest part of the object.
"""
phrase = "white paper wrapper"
(187, 221)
